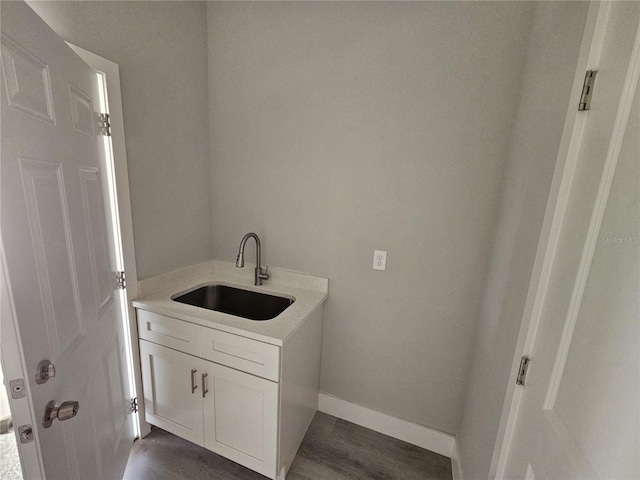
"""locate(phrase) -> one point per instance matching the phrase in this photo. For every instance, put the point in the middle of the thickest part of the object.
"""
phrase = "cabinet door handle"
(193, 380)
(204, 384)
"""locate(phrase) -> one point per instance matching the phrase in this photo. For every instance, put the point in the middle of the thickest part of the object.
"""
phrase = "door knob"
(64, 411)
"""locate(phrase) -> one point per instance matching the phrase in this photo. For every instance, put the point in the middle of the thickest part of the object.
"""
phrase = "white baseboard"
(425, 437)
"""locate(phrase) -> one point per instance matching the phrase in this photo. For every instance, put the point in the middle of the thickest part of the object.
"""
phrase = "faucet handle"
(261, 273)
(264, 273)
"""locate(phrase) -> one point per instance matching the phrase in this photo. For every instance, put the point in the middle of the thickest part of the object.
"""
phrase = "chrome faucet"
(259, 274)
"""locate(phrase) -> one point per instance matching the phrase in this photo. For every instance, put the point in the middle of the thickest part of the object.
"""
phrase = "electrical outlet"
(379, 259)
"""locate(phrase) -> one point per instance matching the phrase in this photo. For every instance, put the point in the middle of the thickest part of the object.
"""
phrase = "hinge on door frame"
(104, 124)
(121, 281)
(522, 371)
(587, 90)
(134, 405)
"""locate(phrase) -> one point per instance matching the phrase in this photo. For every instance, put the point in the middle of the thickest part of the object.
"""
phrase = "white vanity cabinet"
(226, 411)
(244, 399)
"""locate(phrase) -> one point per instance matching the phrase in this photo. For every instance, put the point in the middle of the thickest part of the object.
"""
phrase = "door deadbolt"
(62, 412)
(45, 371)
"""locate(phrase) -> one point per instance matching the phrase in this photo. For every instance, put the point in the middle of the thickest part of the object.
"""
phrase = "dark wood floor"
(333, 449)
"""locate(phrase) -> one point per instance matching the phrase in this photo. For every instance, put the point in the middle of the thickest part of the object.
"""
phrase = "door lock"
(26, 433)
(65, 411)
(45, 371)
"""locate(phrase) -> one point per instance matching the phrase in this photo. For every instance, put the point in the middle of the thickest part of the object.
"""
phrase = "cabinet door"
(170, 400)
(241, 418)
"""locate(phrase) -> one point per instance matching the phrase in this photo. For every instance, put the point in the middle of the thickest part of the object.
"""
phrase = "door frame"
(111, 72)
(567, 158)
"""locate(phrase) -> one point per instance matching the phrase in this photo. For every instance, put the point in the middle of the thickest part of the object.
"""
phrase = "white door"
(579, 415)
(57, 238)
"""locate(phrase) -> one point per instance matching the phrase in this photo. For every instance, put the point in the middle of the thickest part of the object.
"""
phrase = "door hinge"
(104, 124)
(587, 90)
(121, 281)
(522, 371)
(134, 405)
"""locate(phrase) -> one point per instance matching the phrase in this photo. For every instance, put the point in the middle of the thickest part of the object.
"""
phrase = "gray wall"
(554, 45)
(340, 128)
(337, 129)
(161, 48)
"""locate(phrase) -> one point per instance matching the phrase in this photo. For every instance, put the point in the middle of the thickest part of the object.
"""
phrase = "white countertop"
(309, 292)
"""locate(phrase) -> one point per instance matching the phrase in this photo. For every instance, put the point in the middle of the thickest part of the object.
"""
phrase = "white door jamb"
(589, 57)
(111, 73)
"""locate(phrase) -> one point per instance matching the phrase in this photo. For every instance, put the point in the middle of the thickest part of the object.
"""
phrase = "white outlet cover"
(379, 259)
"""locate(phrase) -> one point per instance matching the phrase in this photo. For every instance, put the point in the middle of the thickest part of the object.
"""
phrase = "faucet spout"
(260, 275)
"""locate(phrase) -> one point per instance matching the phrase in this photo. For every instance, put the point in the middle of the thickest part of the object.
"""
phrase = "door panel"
(56, 235)
(81, 112)
(97, 239)
(578, 416)
(27, 81)
(43, 187)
